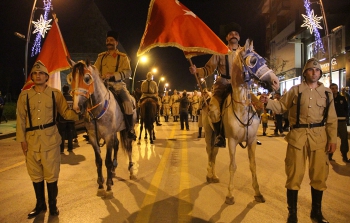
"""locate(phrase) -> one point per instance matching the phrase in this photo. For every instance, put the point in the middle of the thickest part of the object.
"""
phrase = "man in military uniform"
(313, 134)
(175, 105)
(114, 67)
(166, 106)
(195, 105)
(222, 63)
(149, 88)
(40, 140)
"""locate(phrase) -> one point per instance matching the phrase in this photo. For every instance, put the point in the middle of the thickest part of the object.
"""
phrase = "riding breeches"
(166, 109)
(175, 109)
(220, 89)
(125, 96)
(43, 165)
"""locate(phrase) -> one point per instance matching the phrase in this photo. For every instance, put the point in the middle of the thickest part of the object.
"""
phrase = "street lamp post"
(142, 59)
(160, 79)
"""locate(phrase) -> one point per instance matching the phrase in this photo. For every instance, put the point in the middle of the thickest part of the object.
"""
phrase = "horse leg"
(154, 134)
(151, 133)
(141, 128)
(98, 162)
(109, 165)
(252, 164)
(212, 152)
(232, 168)
(115, 159)
(132, 169)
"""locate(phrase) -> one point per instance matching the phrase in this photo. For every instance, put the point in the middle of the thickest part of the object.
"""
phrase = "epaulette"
(103, 53)
(121, 54)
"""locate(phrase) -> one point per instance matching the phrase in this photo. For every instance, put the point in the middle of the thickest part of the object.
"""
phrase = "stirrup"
(131, 135)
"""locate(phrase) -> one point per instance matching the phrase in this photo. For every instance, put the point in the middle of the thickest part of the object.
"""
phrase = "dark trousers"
(184, 120)
(279, 121)
(343, 135)
(67, 131)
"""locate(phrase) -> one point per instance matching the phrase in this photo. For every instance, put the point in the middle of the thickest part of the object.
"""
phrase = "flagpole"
(27, 42)
(199, 84)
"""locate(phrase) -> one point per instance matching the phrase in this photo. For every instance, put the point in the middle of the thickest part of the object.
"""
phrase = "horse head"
(254, 67)
(82, 81)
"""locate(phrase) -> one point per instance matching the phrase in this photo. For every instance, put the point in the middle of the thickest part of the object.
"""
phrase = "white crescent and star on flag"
(187, 12)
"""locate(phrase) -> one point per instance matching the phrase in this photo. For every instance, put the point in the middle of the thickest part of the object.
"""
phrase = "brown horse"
(148, 111)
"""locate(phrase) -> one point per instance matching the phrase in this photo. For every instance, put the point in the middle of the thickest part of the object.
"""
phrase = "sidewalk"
(7, 129)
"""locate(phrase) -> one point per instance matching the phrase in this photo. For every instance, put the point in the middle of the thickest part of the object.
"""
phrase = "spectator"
(66, 128)
(184, 105)
(341, 107)
(2, 105)
(264, 121)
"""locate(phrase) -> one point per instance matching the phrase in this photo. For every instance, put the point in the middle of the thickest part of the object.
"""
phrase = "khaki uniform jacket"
(312, 107)
(41, 110)
(174, 100)
(166, 101)
(106, 63)
(149, 88)
(217, 62)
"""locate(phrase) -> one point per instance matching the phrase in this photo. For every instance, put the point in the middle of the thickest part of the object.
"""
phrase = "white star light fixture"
(312, 22)
(42, 26)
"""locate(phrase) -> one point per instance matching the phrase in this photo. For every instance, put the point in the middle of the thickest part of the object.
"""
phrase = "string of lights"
(41, 27)
(312, 23)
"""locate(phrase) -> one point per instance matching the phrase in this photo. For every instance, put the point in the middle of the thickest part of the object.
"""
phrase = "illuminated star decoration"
(42, 26)
(312, 23)
(37, 42)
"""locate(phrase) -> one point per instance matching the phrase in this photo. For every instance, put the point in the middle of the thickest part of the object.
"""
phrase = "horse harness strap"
(311, 125)
(32, 128)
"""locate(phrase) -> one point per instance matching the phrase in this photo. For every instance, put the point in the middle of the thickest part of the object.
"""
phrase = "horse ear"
(87, 62)
(247, 45)
(251, 46)
(71, 62)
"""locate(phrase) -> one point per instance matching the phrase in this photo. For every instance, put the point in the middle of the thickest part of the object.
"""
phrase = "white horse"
(104, 120)
(240, 119)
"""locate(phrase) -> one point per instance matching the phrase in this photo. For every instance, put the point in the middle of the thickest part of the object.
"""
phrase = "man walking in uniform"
(313, 136)
(175, 105)
(114, 67)
(40, 140)
(195, 106)
(166, 106)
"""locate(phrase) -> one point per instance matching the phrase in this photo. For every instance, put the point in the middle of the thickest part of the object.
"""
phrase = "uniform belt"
(225, 76)
(40, 126)
(310, 125)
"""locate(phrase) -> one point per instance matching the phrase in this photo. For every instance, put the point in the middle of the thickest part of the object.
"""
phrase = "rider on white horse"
(223, 64)
(115, 67)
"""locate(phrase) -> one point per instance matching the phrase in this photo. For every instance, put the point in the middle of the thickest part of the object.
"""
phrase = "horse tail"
(126, 142)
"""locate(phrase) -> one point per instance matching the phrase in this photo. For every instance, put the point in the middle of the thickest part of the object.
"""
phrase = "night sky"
(129, 18)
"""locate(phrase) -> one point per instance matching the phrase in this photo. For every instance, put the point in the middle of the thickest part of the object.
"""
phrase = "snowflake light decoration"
(41, 26)
(312, 23)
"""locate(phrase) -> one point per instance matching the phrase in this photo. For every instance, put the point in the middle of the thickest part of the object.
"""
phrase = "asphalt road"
(171, 184)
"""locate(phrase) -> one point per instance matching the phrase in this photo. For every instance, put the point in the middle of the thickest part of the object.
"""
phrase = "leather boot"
(292, 201)
(199, 132)
(345, 157)
(316, 212)
(174, 117)
(196, 118)
(129, 125)
(219, 140)
(40, 206)
(192, 118)
(52, 191)
(330, 156)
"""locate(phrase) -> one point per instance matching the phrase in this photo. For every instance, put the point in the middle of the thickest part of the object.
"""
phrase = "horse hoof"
(108, 194)
(138, 143)
(101, 192)
(152, 142)
(133, 177)
(213, 180)
(230, 200)
(259, 199)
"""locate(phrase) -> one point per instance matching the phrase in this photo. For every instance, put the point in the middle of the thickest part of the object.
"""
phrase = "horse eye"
(251, 61)
(87, 79)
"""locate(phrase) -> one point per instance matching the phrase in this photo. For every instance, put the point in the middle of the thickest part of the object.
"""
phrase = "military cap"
(312, 63)
(39, 66)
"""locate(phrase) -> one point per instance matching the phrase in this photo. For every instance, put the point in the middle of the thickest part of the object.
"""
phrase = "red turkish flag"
(53, 54)
(169, 23)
